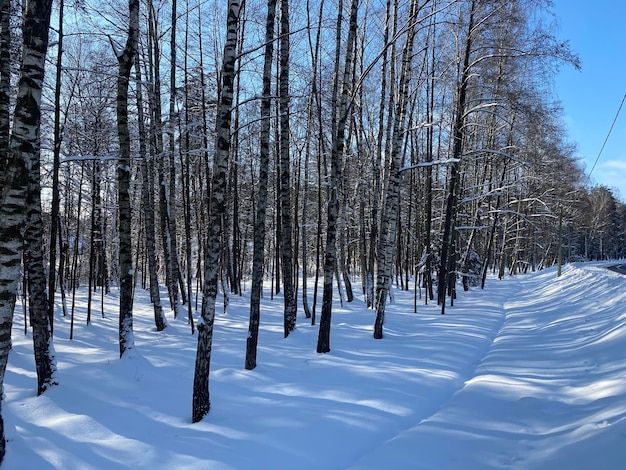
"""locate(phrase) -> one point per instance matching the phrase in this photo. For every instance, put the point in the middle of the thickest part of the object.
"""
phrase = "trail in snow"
(550, 393)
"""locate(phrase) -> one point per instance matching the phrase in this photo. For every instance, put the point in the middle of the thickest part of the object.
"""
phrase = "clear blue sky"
(597, 32)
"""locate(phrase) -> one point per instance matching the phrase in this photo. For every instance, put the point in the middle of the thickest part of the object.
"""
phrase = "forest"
(295, 146)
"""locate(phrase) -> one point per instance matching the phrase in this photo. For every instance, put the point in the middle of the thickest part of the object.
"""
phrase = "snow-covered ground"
(530, 373)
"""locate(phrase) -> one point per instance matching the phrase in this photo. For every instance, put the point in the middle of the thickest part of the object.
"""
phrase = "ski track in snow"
(526, 374)
(550, 392)
(379, 458)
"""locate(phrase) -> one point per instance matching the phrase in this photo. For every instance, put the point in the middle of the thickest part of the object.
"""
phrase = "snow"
(529, 373)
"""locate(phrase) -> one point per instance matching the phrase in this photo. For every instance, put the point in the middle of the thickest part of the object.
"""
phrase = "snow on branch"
(471, 227)
(84, 158)
(499, 153)
(443, 161)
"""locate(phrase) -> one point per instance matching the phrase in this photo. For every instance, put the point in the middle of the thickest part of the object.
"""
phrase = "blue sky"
(591, 97)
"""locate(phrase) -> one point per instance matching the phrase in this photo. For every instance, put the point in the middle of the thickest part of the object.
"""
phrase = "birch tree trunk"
(330, 259)
(173, 190)
(259, 220)
(321, 152)
(38, 306)
(314, 48)
(389, 217)
(54, 210)
(147, 200)
(427, 279)
(97, 255)
(342, 225)
(458, 136)
(23, 151)
(5, 84)
(377, 159)
(157, 151)
(285, 175)
(201, 399)
(186, 179)
(125, 61)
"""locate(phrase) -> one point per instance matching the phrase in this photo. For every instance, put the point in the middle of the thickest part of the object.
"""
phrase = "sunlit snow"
(529, 373)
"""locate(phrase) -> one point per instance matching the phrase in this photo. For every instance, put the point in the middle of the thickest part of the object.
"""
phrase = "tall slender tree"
(54, 210)
(147, 200)
(125, 60)
(391, 207)
(261, 208)
(285, 174)
(458, 133)
(173, 190)
(23, 152)
(168, 241)
(338, 145)
(5, 83)
(377, 158)
(201, 398)
(45, 362)
(186, 179)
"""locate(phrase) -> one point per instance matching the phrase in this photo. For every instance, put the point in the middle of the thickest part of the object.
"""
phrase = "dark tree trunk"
(45, 363)
(56, 159)
(173, 189)
(187, 182)
(259, 220)
(311, 115)
(330, 261)
(377, 159)
(125, 61)
(458, 136)
(157, 151)
(75, 268)
(427, 279)
(147, 200)
(285, 175)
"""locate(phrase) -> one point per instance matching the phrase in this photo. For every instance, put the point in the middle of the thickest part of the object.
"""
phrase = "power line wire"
(607, 136)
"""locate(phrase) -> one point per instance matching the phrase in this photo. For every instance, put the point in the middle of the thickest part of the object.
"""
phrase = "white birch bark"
(389, 217)
(18, 162)
(201, 398)
(330, 261)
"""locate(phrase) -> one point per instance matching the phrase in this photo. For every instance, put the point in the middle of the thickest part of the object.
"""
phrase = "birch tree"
(147, 200)
(338, 145)
(201, 398)
(38, 306)
(125, 60)
(23, 152)
(458, 133)
(285, 174)
(389, 216)
(54, 211)
(168, 238)
(173, 190)
(261, 209)
(5, 83)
